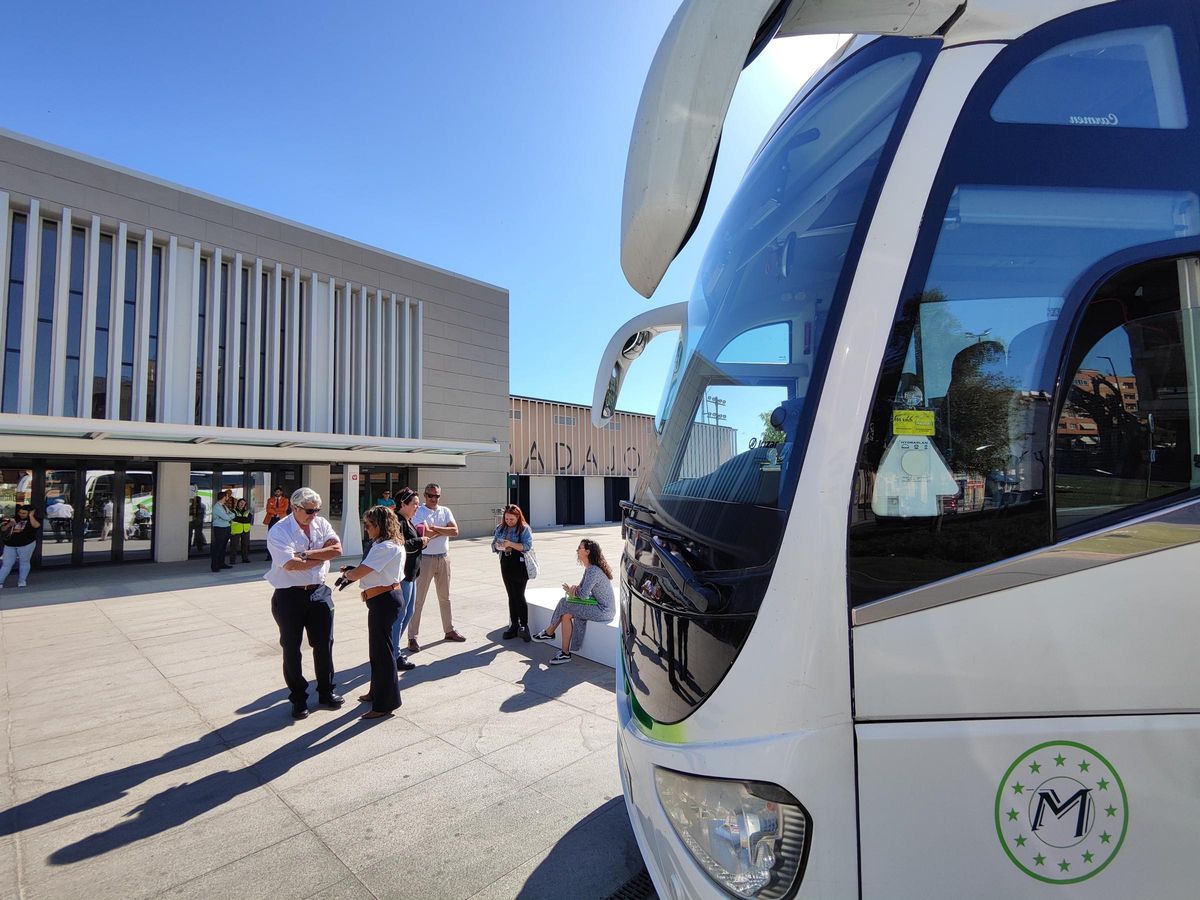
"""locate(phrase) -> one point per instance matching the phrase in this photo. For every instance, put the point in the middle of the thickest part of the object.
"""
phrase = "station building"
(160, 345)
(565, 471)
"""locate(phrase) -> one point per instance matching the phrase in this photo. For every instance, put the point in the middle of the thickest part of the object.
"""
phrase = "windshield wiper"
(637, 507)
(701, 597)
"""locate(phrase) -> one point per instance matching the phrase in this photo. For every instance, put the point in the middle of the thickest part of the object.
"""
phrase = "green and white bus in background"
(931, 631)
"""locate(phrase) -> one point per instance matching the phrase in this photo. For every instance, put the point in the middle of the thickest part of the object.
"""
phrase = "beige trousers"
(435, 569)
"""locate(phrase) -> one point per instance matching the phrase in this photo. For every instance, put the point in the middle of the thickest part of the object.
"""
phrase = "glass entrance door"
(99, 538)
(60, 518)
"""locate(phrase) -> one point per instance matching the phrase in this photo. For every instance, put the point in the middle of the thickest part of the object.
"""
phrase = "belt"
(372, 592)
(432, 555)
(307, 588)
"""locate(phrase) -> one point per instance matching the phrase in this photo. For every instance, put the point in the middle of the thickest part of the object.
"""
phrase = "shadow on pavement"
(65, 584)
(590, 861)
(540, 683)
(181, 803)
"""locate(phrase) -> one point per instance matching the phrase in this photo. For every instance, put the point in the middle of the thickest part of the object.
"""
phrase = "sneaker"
(22, 584)
(560, 658)
(453, 635)
(543, 637)
(510, 633)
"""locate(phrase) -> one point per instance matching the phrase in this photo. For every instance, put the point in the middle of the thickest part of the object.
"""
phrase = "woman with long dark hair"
(589, 601)
(380, 573)
(407, 504)
(512, 540)
(20, 535)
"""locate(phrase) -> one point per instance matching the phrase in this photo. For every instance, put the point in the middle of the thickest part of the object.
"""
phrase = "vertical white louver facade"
(255, 348)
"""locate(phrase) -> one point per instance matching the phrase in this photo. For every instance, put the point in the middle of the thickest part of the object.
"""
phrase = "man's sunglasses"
(311, 512)
(434, 496)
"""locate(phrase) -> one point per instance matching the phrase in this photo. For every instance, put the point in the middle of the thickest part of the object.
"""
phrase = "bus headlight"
(750, 837)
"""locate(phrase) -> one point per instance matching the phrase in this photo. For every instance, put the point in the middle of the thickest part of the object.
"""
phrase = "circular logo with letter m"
(1061, 812)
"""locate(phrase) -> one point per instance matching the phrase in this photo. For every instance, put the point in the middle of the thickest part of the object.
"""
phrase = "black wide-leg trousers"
(220, 540)
(295, 613)
(382, 613)
(515, 576)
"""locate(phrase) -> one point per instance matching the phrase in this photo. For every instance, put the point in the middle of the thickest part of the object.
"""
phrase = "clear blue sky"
(486, 138)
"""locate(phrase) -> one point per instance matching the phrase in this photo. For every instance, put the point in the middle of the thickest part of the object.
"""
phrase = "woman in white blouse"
(380, 574)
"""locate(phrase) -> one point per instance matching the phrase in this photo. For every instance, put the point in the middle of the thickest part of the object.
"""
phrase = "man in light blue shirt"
(222, 519)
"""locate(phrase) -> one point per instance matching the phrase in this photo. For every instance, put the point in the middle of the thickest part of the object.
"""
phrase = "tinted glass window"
(1127, 79)
(953, 470)
(103, 313)
(14, 309)
(1125, 432)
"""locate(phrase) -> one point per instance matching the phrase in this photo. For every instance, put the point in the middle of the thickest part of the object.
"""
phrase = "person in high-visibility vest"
(239, 532)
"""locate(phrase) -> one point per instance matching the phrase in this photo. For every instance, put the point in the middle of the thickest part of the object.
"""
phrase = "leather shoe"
(508, 635)
(525, 634)
(333, 701)
(403, 665)
(453, 635)
(365, 698)
(376, 714)
(299, 711)
(413, 646)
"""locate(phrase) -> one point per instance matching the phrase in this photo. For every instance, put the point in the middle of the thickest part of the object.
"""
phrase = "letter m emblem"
(1048, 800)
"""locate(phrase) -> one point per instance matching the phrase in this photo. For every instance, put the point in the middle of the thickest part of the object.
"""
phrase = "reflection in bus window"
(953, 471)
(1127, 418)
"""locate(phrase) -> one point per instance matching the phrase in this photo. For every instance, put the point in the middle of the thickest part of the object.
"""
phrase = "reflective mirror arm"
(627, 345)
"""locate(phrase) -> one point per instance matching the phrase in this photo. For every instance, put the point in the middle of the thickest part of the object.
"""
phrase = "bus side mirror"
(627, 345)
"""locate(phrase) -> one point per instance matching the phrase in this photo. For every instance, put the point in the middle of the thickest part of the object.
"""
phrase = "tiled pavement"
(149, 751)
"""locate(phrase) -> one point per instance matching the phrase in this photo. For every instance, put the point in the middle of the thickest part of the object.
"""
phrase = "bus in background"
(923, 626)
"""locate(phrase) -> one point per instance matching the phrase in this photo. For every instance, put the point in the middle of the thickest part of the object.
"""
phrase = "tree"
(771, 434)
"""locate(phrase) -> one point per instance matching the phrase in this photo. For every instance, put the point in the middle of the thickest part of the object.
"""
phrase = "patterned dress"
(595, 603)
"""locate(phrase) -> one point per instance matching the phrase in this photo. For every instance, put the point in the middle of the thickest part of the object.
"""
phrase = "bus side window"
(1118, 79)
(1128, 416)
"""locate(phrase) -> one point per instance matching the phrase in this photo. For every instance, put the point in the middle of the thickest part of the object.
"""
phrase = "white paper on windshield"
(911, 477)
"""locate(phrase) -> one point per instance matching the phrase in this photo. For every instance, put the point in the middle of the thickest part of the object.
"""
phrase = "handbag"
(531, 564)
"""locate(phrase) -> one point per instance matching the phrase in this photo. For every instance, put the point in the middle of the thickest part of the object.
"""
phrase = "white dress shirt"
(441, 517)
(285, 540)
(386, 560)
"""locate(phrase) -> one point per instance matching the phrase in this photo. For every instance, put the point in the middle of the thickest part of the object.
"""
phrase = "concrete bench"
(600, 641)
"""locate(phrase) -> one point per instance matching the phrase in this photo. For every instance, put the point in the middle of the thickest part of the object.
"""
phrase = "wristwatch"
(303, 556)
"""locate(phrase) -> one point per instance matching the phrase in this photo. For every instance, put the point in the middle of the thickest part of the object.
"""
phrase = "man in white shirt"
(60, 516)
(301, 546)
(435, 564)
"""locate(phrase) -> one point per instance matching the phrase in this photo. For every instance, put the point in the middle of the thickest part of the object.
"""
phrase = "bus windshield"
(772, 278)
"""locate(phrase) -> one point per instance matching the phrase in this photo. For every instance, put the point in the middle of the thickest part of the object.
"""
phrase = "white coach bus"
(928, 628)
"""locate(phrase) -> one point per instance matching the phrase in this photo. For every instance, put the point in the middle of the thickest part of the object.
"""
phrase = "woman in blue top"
(513, 539)
(589, 601)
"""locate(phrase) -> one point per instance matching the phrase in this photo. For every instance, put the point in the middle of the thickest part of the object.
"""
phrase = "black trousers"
(239, 543)
(382, 612)
(295, 613)
(515, 576)
(220, 538)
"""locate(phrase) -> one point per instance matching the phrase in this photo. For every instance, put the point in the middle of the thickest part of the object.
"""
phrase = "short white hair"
(305, 495)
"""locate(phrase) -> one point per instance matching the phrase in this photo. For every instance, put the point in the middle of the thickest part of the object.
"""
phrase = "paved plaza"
(149, 748)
